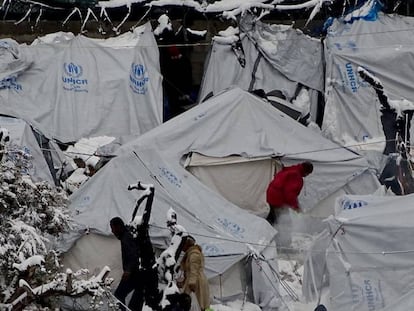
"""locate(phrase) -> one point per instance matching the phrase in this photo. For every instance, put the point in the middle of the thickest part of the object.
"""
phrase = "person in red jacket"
(284, 189)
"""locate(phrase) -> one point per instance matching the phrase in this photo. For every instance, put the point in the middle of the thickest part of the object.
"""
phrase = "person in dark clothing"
(138, 259)
(178, 80)
(148, 270)
(178, 302)
(130, 265)
(320, 308)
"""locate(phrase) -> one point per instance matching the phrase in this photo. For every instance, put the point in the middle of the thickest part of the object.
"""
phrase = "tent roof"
(75, 87)
(232, 123)
(377, 211)
(236, 122)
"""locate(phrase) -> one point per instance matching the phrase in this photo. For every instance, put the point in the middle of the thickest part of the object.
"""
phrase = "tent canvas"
(234, 122)
(82, 87)
(281, 52)
(370, 252)
(228, 177)
(352, 109)
(22, 136)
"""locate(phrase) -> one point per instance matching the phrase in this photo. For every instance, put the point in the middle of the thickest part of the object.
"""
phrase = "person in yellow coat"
(192, 265)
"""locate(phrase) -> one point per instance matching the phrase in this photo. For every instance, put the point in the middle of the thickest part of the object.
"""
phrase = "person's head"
(117, 226)
(307, 168)
(188, 241)
(320, 308)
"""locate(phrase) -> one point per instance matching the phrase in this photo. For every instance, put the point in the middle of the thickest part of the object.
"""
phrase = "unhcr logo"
(138, 78)
(72, 78)
(11, 84)
(352, 204)
(210, 249)
(368, 294)
(73, 70)
(231, 227)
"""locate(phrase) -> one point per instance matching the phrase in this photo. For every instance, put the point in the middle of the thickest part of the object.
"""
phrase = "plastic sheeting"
(22, 136)
(385, 48)
(277, 57)
(369, 253)
(81, 87)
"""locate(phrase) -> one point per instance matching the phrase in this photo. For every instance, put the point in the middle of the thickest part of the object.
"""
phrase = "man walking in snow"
(138, 259)
(130, 280)
(284, 189)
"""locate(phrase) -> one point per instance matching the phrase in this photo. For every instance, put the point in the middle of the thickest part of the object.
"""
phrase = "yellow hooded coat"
(192, 265)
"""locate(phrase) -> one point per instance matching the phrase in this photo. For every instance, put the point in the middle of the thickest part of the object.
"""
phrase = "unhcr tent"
(46, 159)
(240, 135)
(268, 57)
(368, 254)
(383, 45)
(81, 87)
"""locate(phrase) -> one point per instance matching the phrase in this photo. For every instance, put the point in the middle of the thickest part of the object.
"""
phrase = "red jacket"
(285, 187)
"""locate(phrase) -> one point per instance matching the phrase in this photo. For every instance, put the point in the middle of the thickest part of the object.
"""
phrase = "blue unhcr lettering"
(171, 177)
(231, 227)
(357, 294)
(353, 84)
(211, 250)
(72, 80)
(138, 79)
(11, 84)
(367, 295)
(351, 204)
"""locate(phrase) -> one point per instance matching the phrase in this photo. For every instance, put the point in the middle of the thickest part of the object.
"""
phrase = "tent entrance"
(242, 181)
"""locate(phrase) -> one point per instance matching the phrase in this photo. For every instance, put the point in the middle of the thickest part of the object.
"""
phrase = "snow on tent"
(383, 45)
(45, 160)
(75, 87)
(367, 250)
(237, 127)
(268, 57)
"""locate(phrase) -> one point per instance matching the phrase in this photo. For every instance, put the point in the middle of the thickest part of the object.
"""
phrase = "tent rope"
(284, 155)
(289, 290)
(383, 253)
(273, 286)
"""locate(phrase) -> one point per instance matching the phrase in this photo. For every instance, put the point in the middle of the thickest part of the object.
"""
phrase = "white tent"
(234, 123)
(368, 254)
(43, 164)
(75, 87)
(383, 45)
(269, 57)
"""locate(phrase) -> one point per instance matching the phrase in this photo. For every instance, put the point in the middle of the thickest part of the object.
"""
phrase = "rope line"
(274, 287)
(293, 248)
(284, 155)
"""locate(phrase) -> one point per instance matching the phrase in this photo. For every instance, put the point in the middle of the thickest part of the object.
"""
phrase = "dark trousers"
(274, 214)
(145, 286)
(126, 286)
(152, 295)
